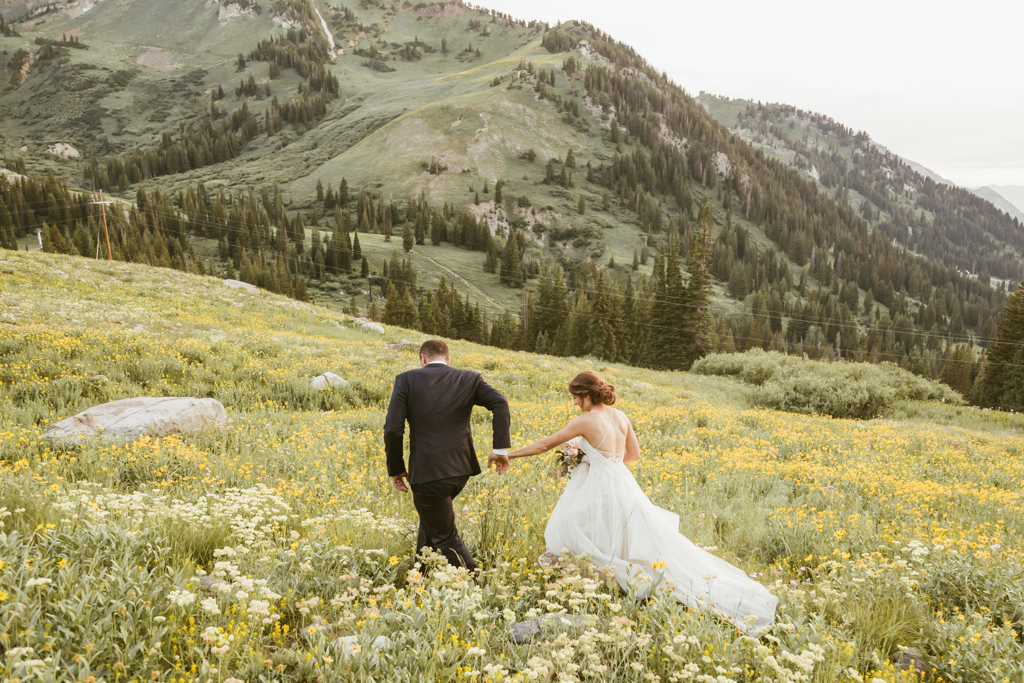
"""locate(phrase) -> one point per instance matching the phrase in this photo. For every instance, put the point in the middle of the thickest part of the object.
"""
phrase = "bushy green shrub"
(800, 385)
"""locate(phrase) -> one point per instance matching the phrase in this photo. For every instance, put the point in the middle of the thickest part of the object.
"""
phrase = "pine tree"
(511, 264)
(604, 319)
(581, 205)
(7, 238)
(408, 239)
(357, 251)
(1001, 384)
(697, 323)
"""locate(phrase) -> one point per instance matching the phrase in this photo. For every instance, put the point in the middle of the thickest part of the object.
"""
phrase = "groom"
(437, 400)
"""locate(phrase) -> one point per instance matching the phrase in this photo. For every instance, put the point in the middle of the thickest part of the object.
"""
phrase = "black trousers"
(433, 501)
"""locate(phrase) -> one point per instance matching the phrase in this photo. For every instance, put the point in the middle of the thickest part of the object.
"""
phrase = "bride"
(605, 514)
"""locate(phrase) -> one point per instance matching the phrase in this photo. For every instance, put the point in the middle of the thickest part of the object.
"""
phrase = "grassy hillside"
(106, 550)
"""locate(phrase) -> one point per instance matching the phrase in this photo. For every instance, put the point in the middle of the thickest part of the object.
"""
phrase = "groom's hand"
(499, 462)
(401, 482)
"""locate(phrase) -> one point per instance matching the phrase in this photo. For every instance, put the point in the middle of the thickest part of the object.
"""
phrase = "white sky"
(939, 82)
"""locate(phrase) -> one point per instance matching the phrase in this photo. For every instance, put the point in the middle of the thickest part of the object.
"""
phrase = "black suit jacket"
(438, 401)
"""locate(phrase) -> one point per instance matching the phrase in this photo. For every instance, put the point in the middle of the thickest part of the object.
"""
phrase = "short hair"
(434, 348)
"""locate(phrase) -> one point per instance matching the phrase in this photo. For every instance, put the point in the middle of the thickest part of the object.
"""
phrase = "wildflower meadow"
(276, 549)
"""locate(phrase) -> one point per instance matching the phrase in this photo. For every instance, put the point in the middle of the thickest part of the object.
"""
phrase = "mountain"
(910, 204)
(1012, 195)
(548, 176)
(999, 201)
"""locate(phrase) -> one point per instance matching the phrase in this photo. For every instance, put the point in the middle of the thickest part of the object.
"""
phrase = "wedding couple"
(603, 511)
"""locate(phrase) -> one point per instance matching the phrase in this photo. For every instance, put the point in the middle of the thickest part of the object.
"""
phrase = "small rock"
(61, 273)
(403, 345)
(348, 646)
(523, 631)
(327, 380)
(238, 304)
(206, 582)
(318, 626)
(909, 659)
(238, 284)
(373, 327)
(130, 418)
(99, 378)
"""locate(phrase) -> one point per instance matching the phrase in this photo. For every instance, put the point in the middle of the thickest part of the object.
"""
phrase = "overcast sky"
(940, 83)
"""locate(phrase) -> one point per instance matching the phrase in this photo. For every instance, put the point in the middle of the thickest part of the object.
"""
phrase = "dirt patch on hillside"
(158, 59)
(439, 10)
(76, 32)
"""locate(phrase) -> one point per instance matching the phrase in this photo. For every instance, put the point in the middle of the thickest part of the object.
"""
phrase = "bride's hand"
(499, 462)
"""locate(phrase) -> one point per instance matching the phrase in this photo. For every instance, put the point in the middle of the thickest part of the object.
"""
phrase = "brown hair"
(590, 385)
(434, 348)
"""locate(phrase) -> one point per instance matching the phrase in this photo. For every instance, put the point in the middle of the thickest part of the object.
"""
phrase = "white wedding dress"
(605, 514)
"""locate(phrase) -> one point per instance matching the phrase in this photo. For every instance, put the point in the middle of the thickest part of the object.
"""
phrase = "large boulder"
(238, 284)
(130, 418)
(327, 380)
(373, 327)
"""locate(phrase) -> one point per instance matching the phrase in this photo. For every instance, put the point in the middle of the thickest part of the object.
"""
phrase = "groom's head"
(432, 350)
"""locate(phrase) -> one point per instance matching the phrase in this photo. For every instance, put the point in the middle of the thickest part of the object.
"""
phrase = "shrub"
(799, 385)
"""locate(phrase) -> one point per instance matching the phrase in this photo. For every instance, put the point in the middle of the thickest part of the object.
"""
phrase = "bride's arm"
(632, 446)
(569, 431)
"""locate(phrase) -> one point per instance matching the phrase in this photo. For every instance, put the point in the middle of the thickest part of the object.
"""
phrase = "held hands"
(401, 482)
(499, 462)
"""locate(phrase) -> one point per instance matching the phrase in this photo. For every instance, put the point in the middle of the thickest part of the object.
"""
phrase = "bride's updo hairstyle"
(589, 384)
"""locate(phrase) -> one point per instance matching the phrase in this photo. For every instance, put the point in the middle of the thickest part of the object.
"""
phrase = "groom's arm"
(394, 429)
(501, 419)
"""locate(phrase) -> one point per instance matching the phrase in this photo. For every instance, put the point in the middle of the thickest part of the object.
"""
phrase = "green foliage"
(847, 390)
(1001, 384)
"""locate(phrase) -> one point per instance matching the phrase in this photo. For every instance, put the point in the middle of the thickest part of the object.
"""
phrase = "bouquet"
(567, 457)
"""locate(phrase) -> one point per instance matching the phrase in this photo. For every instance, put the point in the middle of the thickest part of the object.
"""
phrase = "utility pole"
(103, 215)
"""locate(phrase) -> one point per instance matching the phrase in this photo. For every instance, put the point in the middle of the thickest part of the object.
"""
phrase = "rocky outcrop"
(130, 418)
(238, 284)
(403, 345)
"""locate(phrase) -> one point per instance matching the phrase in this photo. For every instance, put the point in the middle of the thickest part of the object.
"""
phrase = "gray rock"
(348, 646)
(327, 380)
(206, 582)
(403, 345)
(99, 378)
(130, 418)
(61, 274)
(373, 327)
(909, 659)
(524, 631)
(238, 284)
(318, 626)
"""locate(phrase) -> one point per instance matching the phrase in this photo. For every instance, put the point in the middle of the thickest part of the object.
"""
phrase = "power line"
(951, 338)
